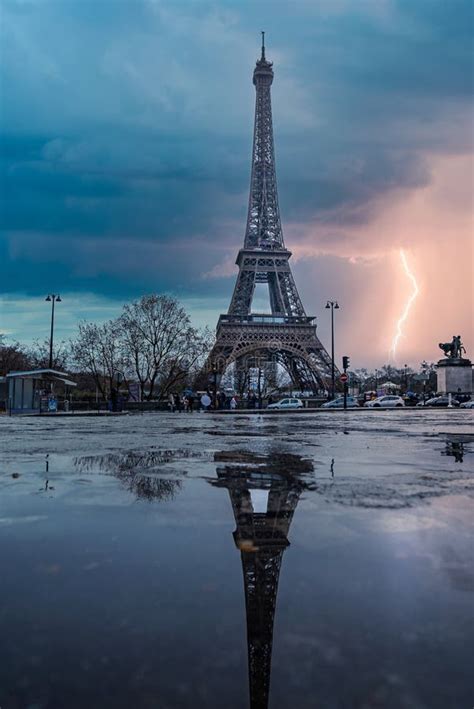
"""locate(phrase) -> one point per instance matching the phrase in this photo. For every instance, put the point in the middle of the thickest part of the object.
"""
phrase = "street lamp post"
(115, 393)
(333, 304)
(424, 366)
(405, 367)
(52, 298)
(376, 374)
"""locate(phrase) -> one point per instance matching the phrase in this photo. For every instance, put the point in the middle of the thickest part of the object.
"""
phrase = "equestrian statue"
(453, 349)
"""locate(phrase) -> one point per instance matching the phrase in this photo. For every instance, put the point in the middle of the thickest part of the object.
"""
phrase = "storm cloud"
(127, 127)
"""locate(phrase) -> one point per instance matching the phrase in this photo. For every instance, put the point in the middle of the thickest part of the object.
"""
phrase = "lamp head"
(327, 306)
(48, 299)
(58, 299)
(336, 306)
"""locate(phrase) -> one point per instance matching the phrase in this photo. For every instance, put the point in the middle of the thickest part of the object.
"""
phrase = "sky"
(125, 161)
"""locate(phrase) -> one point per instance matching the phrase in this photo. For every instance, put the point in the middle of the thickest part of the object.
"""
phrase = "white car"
(338, 403)
(287, 404)
(385, 401)
(467, 405)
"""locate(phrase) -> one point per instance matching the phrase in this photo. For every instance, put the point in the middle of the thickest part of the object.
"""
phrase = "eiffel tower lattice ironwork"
(262, 537)
(286, 335)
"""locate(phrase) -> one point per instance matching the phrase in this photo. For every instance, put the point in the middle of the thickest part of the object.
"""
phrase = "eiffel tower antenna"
(287, 336)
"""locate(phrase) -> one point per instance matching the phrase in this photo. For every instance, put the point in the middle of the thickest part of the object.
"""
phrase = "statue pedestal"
(454, 375)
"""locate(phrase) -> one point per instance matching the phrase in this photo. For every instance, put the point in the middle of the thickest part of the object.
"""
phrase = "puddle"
(307, 562)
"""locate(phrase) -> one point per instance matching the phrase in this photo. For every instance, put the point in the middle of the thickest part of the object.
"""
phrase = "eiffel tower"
(287, 335)
(261, 537)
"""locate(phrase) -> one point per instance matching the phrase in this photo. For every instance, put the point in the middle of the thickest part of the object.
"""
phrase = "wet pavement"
(193, 560)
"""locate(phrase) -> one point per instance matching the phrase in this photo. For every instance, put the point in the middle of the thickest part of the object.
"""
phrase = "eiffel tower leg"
(241, 302)
(277, 303)
(291, 298)
(303, 376)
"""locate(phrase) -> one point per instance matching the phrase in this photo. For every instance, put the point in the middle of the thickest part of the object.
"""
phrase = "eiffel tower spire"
(263, 219)
(286, 336)
(263, 231)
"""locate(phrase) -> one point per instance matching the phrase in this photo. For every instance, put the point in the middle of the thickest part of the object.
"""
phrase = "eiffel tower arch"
(261, 536)
(287, 335)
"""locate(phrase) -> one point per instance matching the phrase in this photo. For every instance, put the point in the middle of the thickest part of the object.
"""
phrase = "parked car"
(467, 405)
(287, 404)
(388, 401)
(441, 401)
(338, 403)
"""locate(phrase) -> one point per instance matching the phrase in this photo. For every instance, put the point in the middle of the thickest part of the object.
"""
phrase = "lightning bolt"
(408, 304)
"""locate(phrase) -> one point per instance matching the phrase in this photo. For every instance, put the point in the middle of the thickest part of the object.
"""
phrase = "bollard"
(450, 401)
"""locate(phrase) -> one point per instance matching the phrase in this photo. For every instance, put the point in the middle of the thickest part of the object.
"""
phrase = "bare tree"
(270, 379)
(39, 355)
(182, 369)
(98, 351)
(160, 345)
(13, 357)
(241, 380)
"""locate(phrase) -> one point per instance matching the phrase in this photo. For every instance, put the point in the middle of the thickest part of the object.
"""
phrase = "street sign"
(343, 378)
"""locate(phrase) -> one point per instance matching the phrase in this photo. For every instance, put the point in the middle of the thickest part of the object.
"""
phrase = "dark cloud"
(127, 127)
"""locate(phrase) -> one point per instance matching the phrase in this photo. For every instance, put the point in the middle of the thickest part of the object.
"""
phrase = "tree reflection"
(264, 492)
(455, 449)
(136, 471)
(455, 446)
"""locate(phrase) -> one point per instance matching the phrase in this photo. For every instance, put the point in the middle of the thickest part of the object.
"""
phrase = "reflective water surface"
(218, 561)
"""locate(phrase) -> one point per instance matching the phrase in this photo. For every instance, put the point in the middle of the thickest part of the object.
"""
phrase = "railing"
(261, 318)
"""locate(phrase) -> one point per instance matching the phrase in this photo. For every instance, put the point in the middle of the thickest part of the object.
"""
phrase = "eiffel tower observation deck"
(285, 336)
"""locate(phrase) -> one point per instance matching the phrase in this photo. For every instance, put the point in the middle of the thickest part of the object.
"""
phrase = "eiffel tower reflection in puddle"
(264, 493)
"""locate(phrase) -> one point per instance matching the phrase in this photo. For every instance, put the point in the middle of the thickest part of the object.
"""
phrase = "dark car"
(441, 401)
(338, 403)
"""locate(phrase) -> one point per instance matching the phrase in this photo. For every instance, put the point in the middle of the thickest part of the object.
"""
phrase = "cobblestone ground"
(122, 583)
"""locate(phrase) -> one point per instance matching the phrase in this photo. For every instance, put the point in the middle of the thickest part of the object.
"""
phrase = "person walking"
(190, 402)
(171, 402)
(233, 404)
(177, 402)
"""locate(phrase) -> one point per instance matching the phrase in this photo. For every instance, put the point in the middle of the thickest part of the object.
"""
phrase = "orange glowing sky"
(434, 224)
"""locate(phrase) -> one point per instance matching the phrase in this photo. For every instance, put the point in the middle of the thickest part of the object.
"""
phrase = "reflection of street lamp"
(334, 306)
(214, 371)
(52, 298)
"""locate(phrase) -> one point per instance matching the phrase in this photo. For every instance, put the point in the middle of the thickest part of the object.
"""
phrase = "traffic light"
(345, 362)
